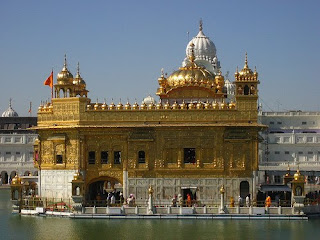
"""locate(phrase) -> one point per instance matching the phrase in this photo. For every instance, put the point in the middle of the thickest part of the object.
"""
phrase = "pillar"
(125, 184)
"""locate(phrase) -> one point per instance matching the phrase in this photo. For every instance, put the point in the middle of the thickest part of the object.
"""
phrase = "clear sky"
(122, 45)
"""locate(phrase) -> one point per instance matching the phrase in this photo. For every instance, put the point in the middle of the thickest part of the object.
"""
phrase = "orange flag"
(49, 80)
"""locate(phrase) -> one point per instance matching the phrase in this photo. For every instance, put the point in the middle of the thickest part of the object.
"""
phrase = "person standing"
(268, 201)
(248, 201)
(240, 201)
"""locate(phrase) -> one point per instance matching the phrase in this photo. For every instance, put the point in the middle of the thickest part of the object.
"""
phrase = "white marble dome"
(10, 112)
(149, 100)
(203, 46)
(205, 52)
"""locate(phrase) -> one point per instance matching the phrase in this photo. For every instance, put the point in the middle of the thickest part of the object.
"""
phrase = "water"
(14, 226)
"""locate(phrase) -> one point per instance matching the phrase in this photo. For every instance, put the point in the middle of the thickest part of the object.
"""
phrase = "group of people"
(241, 201)
(177, 200)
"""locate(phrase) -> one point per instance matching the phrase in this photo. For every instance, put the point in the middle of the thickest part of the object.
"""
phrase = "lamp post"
(222, 191)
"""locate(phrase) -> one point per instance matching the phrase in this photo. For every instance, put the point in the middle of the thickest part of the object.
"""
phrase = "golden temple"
(193, 141)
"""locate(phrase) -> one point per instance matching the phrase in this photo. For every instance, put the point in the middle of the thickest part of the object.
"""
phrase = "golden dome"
(16, 180)
(190, 75)
(246, 71)
(78, 79)
(298, 176)
(64, 77)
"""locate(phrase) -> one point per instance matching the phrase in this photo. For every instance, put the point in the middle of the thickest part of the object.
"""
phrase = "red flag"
(49, 80)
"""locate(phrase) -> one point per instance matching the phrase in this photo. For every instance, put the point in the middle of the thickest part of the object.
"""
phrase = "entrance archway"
(100, 191)
(4, 177)
(244, 189)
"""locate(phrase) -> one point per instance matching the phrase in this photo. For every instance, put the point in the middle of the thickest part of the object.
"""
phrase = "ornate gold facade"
(176, 138)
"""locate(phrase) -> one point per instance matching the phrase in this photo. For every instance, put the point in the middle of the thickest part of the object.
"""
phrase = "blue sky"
(122, 45)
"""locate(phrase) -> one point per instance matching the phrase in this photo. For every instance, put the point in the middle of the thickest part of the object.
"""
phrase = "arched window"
(141, 157)
(244, 189)
(246, 90)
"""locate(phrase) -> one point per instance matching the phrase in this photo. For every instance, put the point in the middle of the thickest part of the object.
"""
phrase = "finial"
(78, 69)
(246, 61)
(237, 70)
(97, 100)
(65, 60)
(10, 101)
(200, 25)
(192, 57)
(162, 72)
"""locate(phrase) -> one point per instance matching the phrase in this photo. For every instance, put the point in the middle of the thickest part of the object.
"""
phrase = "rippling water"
(14, 226)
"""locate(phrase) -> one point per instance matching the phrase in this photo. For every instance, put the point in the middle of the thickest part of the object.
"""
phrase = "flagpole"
(52, 86)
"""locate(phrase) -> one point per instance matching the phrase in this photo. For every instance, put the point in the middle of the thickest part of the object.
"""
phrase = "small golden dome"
(151, 106)
(167, 105)
(222, 191)
(207, 105)
(298, 176)
(135, 106)
(199, 105)
(112, 106)
(215, 105)
(183, 105)
(191, 106)
(65, 77)
(96, 106)
(120, 106)
(246, 71)
(223, 105)
(159, 105)
(104, 106)
(143, 106)
(175, 105)
(78, 79)
(127, 106)
(16, 180)
(89, 106)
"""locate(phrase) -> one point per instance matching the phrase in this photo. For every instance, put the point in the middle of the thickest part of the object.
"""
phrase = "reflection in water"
(29, 227)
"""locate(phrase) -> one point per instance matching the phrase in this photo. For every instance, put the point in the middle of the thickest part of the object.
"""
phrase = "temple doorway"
(244, 189)
(4, 177)
(104, 191)
(190, 191)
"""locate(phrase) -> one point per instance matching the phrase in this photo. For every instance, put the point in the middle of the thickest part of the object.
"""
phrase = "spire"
(246, 61)
(10, 100)
(78, 71)
(65, 61)
(200, 25)
(191, 56)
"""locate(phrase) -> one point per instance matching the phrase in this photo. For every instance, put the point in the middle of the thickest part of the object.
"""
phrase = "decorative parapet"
(175, 106)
